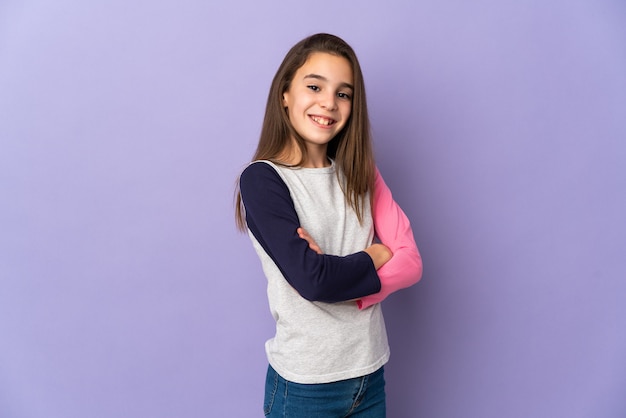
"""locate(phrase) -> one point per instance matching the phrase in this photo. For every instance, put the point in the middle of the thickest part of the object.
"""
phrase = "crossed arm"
(272, 220)
(379, 253)
(393, 229)
(368, 276)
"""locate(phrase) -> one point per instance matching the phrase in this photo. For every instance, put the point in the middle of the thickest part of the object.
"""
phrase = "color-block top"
(321, 335)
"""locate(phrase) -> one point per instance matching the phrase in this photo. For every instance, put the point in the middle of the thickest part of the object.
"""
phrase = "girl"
(312, 202)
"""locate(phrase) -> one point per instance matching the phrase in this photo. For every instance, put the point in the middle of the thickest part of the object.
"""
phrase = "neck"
(316, 156)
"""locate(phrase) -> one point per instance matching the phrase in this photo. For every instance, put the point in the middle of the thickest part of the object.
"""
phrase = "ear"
(285, 98)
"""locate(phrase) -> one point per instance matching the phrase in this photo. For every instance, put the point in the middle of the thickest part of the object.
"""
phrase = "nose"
(329, 101)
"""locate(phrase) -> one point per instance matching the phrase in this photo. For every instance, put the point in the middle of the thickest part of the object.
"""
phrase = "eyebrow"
(322, 78)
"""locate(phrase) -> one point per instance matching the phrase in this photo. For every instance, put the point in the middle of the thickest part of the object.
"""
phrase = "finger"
(304, 235)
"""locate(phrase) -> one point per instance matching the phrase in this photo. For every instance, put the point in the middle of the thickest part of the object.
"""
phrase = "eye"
(313, 87)
(345, 96)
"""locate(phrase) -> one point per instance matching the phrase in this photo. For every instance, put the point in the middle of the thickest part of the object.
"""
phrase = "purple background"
(125, 290)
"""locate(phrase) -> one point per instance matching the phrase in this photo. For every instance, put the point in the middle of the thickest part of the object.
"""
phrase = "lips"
(321, 120)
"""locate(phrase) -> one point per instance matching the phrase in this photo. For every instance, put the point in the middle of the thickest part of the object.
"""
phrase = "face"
(319, 99)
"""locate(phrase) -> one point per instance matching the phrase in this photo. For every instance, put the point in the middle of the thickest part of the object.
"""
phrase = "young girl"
(312, 201)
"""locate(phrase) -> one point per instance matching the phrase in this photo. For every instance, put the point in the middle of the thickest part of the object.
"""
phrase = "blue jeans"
(362, 397)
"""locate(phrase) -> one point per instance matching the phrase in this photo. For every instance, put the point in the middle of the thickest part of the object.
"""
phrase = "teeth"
(322, 121)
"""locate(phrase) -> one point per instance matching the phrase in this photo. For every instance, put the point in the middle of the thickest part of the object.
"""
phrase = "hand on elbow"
(380, 254)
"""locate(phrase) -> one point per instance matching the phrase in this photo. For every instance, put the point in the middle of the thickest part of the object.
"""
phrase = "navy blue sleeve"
(272, 219)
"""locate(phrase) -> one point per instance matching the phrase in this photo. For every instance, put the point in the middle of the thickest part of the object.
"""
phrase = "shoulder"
(259, 178)
(379, 182)
(258, 167)
(259, 172)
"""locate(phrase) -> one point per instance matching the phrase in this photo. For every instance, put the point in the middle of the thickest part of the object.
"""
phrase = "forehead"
(334, 68)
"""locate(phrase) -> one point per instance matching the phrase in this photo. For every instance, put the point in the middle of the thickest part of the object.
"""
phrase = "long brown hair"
(351, 148)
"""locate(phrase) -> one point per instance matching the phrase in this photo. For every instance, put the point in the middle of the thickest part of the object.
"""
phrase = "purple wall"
(126, 292)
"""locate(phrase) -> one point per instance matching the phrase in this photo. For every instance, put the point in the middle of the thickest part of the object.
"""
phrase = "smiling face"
(319, 99)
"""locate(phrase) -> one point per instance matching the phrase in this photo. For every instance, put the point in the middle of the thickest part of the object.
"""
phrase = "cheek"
(292, 104)
(346, 110)
(291, 111)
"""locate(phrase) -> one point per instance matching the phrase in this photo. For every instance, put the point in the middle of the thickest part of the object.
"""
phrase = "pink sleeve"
(393, 229)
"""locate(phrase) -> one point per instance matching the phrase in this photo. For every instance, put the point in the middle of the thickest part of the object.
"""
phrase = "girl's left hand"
(308, 238)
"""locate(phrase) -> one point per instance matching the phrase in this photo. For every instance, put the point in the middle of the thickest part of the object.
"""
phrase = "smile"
(322, 120)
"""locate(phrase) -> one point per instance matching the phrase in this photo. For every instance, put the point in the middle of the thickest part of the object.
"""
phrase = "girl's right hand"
(379, 253)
